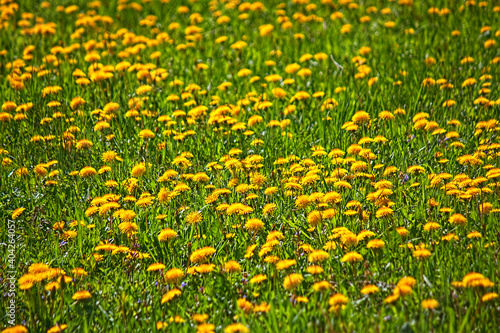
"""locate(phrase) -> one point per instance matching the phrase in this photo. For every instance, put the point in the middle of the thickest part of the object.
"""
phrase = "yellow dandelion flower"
(202, 254)
(174, 275)
(254, 224)
(422, 254)
(155, 267)
(258, 279)
(166, 235)
(318, 256)
(17, 212)
(146, 134)
(194, 218)
(232, 266)
(236, 328)
(284, 264)
(170, 295)
(370, 289)
(16, 329)
(57, 328)
(321, 286)
(430, 304)
(489, 297)
(352, 257)
(88, 172)
(458, 219)
(292, 281)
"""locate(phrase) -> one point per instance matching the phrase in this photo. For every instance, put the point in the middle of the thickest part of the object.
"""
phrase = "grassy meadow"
(230, 166)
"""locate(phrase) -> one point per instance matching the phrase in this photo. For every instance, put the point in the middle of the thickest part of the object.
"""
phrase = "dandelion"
(81, 295)
(194, 218)
(204, 268)
(370, 289)
(352, 257)
(146, 134)
(79, 272)
(258, 279)
(155, 267)
(292, 281)
(332, 198)
(69, 234)
(166, 235)
(458, 219)
(375, 244)
(338, 299)
(232, 266)
(88, 172)
(84, 144)
(384, 212)
(138, 170)
(421, 254)
(430, 304)
(128, 228)
(361, 117)
(202, 254)
(402, 231)
(337, 302)
(57, 328)
(269, 209)
(469, 82)
(489, 297)
(474, 234)
(302, 201)
(236, 328)
(314, 218)
(126, 215)
(254, 225)
(321, 286)
(174, 275)
(318, 256)
(386, 115)
(170, 295)
(16, 329)
(284, 264)
(265, 30)
(17, 212)
(431, 226)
